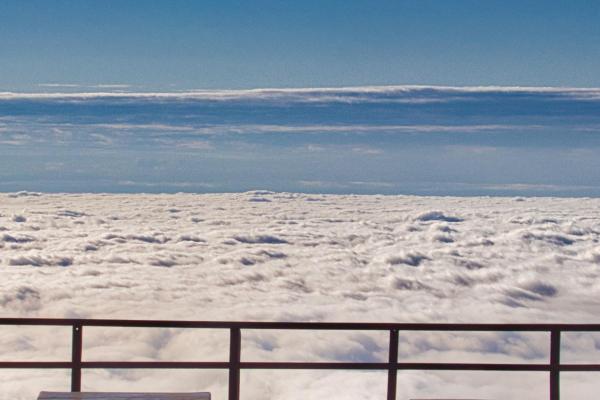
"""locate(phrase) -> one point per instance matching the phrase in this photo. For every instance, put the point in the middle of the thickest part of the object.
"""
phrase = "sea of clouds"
(296, 257)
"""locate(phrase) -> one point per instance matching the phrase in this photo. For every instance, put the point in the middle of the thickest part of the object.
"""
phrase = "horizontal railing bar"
(301, 325)
(579, 367)
(35, 364)
(473, 367)
(295, 365)
(156, 364)
(313, 365)
(406, 366)
(116, 364)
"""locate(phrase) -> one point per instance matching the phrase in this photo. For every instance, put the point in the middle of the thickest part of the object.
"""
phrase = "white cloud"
(195, 145)
(535, 187)
(75, 85)
(321, 184)
(315, 148)
(314, 128)
(345, 185)
(472, 149)
(367, 94)
(287, 256)
(131, 126)
(175, 184)
(15, 139)
(366, 150)
(373, 184)
(104, 140)
(59, 85)
(352, 128)
(111, 86)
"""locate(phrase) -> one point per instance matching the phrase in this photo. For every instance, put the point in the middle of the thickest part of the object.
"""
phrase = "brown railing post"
(393, 365)
(555, 364)
(76, 358)
(235, 342)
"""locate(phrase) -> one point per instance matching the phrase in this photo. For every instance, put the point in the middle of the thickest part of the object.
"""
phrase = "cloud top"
(264, 255)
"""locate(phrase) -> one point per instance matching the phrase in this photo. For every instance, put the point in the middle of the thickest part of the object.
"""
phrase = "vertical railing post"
(235, 342)
(393, 365)
(76, 357)
(555, 364)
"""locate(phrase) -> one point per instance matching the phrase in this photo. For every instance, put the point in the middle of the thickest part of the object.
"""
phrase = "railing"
(234, 365)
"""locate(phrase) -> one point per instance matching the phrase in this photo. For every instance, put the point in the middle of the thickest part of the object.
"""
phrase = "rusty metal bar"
(580, 367)
(36, 364)
(313, 365)
(393, 365)
(235, 343)
(364, 326)
(294, 365)
(155, 364)
(555, 364)
(77, 348)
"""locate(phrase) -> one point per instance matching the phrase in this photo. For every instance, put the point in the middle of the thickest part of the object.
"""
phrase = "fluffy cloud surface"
(292, 257)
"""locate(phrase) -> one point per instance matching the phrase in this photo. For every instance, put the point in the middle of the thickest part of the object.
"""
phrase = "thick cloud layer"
(293, 257)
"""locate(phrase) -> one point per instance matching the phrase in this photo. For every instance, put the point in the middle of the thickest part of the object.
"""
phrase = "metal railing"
(235, 365)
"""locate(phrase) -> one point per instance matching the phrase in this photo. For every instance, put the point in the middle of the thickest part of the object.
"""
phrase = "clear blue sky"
(240, 44)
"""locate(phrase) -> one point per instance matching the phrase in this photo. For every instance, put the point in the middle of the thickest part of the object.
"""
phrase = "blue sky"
(175, 44)
(386, 139)
(111, 96)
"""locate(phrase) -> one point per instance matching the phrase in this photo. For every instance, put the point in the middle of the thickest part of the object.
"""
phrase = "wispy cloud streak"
(409, 94)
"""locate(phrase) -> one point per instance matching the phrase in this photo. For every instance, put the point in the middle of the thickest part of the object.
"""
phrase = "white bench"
(122, 396)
